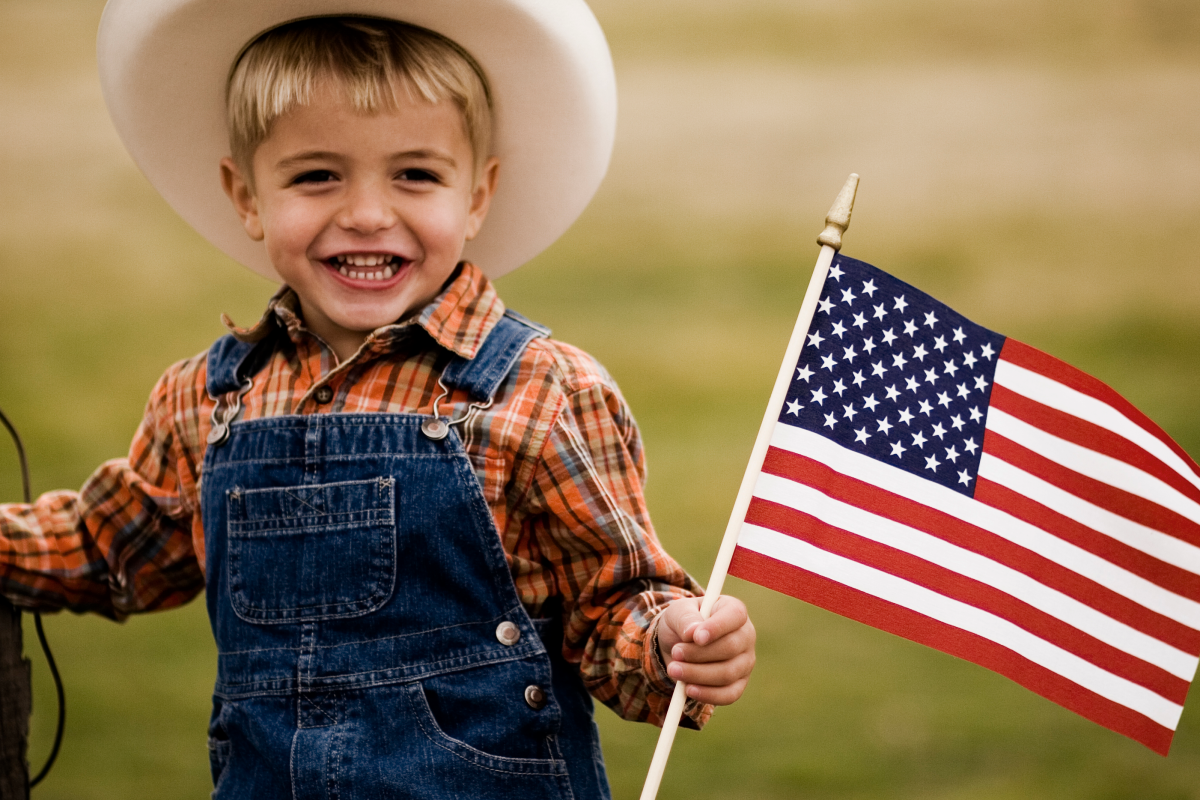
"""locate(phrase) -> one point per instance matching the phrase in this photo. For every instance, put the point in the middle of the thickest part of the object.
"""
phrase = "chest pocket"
(301, 553)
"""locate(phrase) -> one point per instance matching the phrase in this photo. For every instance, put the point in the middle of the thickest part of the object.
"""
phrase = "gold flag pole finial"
(838, 218)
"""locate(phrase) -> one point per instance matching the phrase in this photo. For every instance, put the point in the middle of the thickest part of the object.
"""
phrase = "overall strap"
(504, 345)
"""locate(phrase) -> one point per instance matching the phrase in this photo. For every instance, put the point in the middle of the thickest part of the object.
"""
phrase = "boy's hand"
(714, 657)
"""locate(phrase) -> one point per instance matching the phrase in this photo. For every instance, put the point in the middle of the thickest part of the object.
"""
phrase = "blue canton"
(890, 372)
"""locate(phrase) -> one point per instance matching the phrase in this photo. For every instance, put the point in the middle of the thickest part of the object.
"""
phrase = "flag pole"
(830, 240)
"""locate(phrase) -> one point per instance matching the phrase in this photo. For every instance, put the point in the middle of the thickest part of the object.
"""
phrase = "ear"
(481, 196)
(241, 194)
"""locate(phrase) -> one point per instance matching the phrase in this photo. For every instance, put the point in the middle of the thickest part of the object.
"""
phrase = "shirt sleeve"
(121, 544)
(588, 512)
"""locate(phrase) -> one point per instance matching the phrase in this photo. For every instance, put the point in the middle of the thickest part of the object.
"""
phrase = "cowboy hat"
(164, 65)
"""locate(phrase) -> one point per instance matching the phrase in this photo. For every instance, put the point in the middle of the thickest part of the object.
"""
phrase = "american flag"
(939, 481)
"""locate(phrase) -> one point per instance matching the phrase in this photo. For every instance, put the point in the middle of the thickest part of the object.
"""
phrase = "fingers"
(714, 657)
(719, 683)
(729, 614)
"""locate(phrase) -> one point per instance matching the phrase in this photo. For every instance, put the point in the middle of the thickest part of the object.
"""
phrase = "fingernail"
(702, 636)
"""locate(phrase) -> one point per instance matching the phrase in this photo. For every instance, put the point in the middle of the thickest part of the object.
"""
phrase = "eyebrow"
(318, 155)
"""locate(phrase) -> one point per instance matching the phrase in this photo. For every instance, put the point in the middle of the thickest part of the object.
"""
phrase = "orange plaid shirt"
(558, 456)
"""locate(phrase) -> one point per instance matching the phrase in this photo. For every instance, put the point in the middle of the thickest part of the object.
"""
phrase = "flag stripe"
(1089, 435)
(1166, 575)
(995, 520)
(990, 597)
(840, 599)
(1053, 383)
(960, 615)
(1106, 472)
(1150, 541)
(859, 519)
(803, 470)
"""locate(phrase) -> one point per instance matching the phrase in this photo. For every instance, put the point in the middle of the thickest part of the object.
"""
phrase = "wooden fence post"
(15, 704)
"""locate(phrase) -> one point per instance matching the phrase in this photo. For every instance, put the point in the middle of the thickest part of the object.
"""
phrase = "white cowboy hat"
(164, 64)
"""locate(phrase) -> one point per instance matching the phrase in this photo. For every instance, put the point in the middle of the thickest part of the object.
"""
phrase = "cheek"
(290, 228)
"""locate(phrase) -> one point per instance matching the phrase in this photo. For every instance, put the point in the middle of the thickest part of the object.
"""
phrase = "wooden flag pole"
(831, 241)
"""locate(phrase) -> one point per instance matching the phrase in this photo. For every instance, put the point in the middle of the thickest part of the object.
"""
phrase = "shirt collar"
(459, 319)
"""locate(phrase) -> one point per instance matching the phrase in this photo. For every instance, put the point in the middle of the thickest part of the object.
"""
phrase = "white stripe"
(1087, 462)
(978, 567)
(1050, 392)
(864, 468)
(962, 616)
(1140, 537)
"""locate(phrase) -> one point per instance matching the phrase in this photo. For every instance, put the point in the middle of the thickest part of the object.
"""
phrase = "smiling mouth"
(367, 266)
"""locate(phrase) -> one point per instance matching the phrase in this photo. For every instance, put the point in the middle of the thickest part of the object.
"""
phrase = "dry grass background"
(1036, 165)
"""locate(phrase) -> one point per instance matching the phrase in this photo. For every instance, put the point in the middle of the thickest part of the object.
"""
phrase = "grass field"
(1035, 165)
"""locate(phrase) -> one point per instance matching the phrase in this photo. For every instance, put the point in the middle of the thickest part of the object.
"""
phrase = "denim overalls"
(371, 641)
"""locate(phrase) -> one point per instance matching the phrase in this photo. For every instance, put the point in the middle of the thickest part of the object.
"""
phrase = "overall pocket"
(314, 552)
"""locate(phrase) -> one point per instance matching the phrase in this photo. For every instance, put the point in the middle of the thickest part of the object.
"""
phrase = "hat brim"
(164, 65)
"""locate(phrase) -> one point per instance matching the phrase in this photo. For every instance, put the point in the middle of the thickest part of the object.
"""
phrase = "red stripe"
(864, 495)
(1089, 435)
(919, 628)
(1168, 576)
(1035, 360)
(973, 592)
(1124, 504)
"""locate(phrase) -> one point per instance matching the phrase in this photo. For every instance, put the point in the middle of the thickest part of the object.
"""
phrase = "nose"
(366, 210)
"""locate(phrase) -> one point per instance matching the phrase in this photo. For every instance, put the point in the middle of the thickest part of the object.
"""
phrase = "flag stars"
(987, 352)
(848, 296)
(898, 361)
(975, 414)
(906, 416)
(959, 336)
(861, 435)
(860, 320)
(877, 369)
(793, 408)
(830, 421)
(827, 362)
(931, 376)
(963, 391)
(956, 422)
(911, 384)
(858, 379)
(839, 387)
(892, 392)
(910, 327)
(803, 373)
(964, 477)
(919, 352)
(980, 383)
(952, 454)
(880, 311)
(869, 403)
(930, 320)
(869, 288)
(819, 396)
(970, 446)
(919, 440)
(825, 305)
(889, 336)
(850, 355)
(869, 345)
(951, 368)
(901, 304)
(838, 329)
(944, 399)
(931, 463)
(836, 273)
(885, 427)
(814, 339)
(926, 408)
(850, 412)
(898, 449)
(969, 361)
(939, 431)
(939, 343)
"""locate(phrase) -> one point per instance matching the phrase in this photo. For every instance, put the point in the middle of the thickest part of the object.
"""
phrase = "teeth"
(391, 264)
(388, 272)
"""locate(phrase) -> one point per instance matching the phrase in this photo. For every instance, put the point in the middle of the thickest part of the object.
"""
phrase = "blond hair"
(369, 59)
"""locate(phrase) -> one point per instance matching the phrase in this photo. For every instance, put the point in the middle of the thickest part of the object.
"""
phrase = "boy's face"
(364, 216)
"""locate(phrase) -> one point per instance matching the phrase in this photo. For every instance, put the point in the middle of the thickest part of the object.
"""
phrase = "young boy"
(418, 520)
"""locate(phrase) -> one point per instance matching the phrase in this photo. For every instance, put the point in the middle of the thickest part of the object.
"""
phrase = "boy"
(417, 519)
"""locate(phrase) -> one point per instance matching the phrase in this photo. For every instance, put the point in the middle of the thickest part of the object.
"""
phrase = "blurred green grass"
(1034, 165)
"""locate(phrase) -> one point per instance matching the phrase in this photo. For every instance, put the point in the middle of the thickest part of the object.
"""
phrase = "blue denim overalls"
(371, 641)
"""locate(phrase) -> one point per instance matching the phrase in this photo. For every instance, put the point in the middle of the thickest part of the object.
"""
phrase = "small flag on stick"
(934, 479)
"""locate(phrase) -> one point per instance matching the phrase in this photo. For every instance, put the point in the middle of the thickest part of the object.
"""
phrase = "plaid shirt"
(558, 456)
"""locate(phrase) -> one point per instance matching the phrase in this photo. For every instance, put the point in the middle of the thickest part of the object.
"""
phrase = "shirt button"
(508, 633)
(535, 698)
(323, 395)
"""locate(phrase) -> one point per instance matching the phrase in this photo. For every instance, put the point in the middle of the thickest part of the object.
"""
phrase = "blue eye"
(419, 175)
(315, 176)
